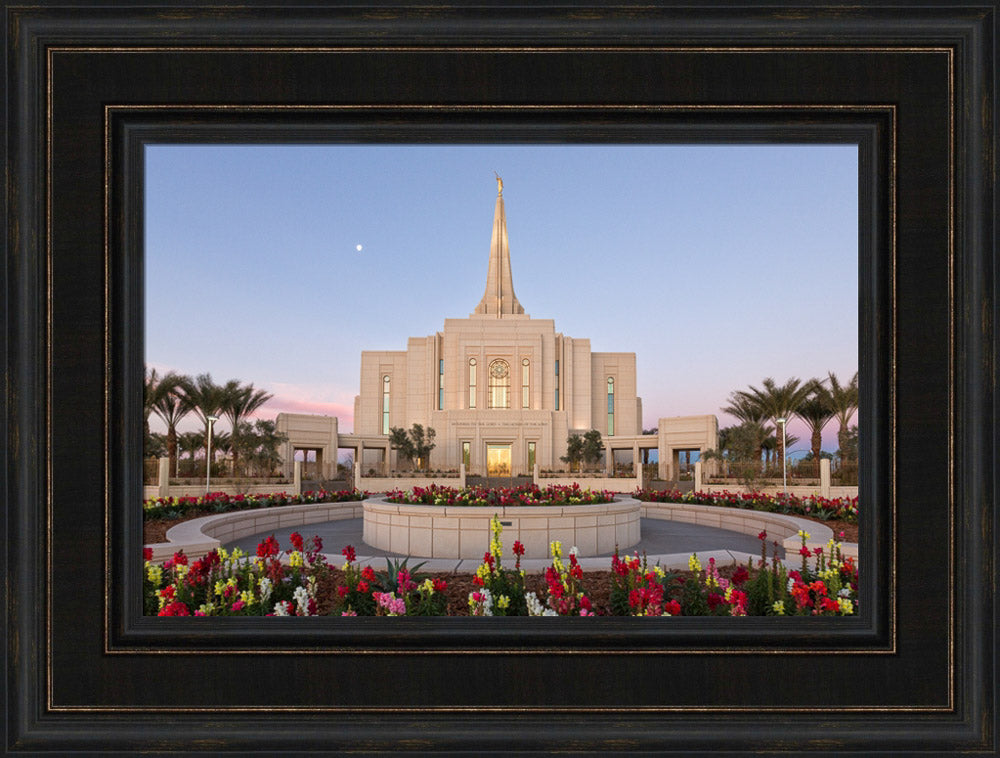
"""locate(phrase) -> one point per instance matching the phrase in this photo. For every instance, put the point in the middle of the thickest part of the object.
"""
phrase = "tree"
(740, 447)
(413, 445)
(592, 447)
(423, 443)
(778, 401)
(400, 441)
(190, 443)
(816, 412)
(844, 402)
(258, 445)
(238, 402)
(170, 404)
(205, 398)
(749, 410)
(574, 451)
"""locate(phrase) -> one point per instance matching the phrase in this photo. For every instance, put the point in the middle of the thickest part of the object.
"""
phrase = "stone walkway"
(668, 542)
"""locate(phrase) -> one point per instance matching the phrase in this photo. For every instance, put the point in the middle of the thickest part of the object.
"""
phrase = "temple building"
(502, 391)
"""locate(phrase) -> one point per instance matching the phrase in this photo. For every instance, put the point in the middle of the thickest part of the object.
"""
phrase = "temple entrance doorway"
(498, 460)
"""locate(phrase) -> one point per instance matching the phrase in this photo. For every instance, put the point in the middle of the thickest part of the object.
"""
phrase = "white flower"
(301, 597)
(265, 589)
(282, 608)
(535, 608)
(574, 550)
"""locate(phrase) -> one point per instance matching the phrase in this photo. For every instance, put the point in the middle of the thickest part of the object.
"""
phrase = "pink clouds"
(284, 404)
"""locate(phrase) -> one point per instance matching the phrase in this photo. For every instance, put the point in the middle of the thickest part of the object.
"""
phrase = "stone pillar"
(824, 477)
(163, 478)
(639, 473)
(297, 479)
(461, 475)
(697, 476)
(535, 478)
(357, 471)
(609, 461)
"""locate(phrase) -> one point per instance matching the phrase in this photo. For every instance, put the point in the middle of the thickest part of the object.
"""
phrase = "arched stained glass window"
(611, 406)
(472, 382)
(499, 396)
(386, 383)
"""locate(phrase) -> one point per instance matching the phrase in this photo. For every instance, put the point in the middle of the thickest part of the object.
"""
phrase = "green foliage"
(592, 447)
(388, 580)
(574, 451)
(413, 445)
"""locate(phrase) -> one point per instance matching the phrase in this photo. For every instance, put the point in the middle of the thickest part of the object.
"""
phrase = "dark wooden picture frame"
(88, 86)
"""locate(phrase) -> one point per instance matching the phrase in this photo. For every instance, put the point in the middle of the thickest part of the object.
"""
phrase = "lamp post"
(784, 456)
(208, 458)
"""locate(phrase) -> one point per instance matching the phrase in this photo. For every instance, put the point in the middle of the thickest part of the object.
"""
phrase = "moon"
(358, 248)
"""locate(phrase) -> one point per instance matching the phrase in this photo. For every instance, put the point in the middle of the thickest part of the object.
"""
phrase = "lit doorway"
(498, 460)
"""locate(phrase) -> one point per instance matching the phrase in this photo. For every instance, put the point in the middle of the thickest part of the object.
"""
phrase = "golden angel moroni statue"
(499, 183)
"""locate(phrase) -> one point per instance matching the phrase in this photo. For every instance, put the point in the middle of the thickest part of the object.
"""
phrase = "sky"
(718, 265)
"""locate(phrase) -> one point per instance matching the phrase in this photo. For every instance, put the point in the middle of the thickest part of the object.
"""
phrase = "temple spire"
(499, 298)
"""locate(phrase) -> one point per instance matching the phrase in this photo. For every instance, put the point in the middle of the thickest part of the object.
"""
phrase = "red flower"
(342, 591)
(317, 543)
(174, 609)
(673, 608)
(714, 600)
(518, 548)
(440, 585)
(368, 574)
(762, 535)
(740, 576)
(147, 553)
(477, 580)
(267, 548)
(349, 554)
(296, 539)
(362, 586)
(805, 551)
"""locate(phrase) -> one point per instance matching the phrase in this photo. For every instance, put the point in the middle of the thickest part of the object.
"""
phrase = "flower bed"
(529, 494)
(220, 502)
(813, 506)
(234, 584)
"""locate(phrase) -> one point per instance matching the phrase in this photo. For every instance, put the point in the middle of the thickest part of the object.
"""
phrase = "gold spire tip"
(499, 183)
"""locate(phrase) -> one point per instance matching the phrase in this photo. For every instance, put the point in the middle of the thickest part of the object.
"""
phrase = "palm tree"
(190, 443)
(779, 401)
(750, 412)
(843, 402)
(239, 402)
(205, 398)
(149, 391)
(171, 405)
(816, 411)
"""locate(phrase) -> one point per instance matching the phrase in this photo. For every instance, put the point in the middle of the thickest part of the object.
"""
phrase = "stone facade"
(500, 388)
(502, 391)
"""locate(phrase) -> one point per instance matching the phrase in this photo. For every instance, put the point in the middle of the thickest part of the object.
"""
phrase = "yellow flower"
(220, 587)
(295, 558)
(729, 593)
(658, 570)
(154, 574)
(556, 548)
(846, 606)
(503, 602)
(803, 534)
(778, 607)
(427, 586)
(693, 562)
(246, 597)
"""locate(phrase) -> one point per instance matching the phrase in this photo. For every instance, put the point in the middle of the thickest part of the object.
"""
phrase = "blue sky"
(717, 265)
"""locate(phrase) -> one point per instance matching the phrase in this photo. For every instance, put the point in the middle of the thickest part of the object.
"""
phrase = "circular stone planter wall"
(438, 531)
